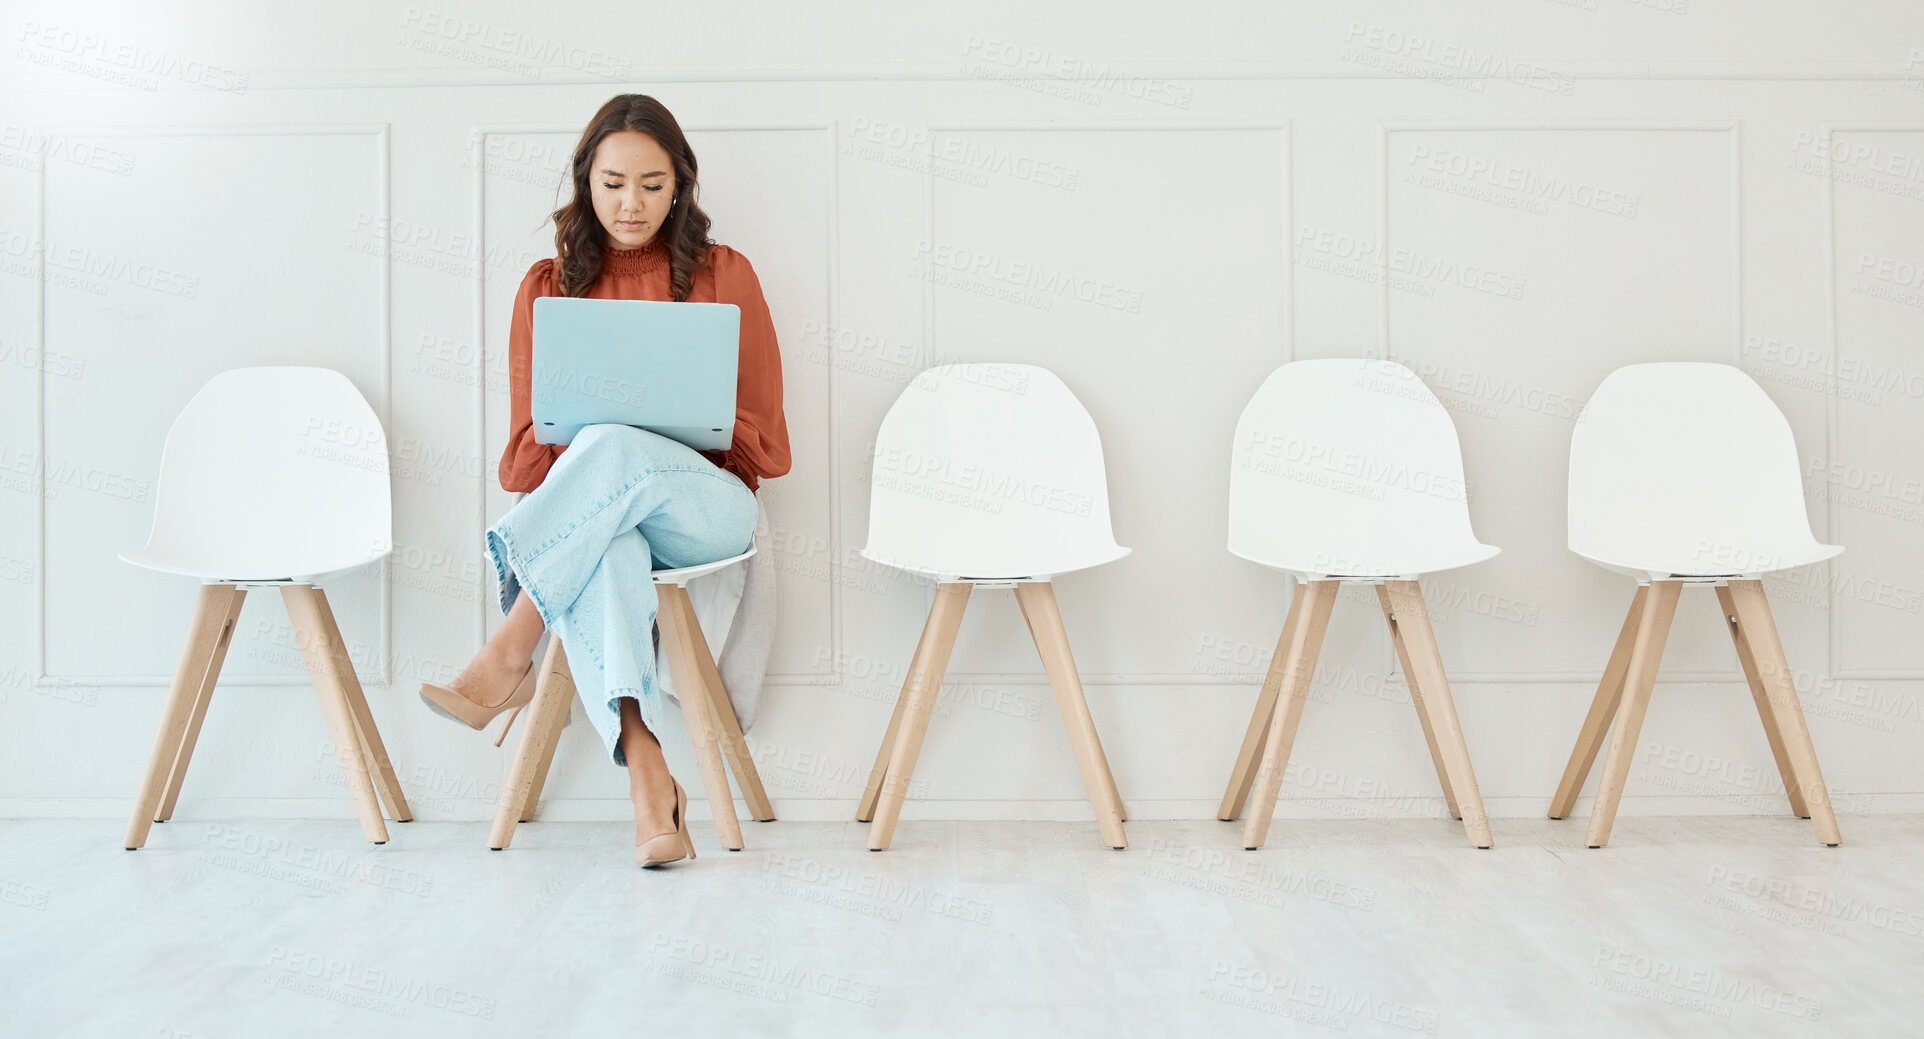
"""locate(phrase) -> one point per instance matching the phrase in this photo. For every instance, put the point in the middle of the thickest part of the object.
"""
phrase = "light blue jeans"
(619, 503)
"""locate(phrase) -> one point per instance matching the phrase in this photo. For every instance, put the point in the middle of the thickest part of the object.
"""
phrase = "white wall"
(229, 186)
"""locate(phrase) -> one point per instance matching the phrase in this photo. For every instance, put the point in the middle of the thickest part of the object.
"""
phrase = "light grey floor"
(1685, 927)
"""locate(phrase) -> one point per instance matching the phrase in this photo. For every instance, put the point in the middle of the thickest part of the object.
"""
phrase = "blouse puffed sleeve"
(760, 448)
(524, 463)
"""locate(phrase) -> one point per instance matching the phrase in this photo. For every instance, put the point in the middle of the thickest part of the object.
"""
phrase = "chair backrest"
(1349, 467)
(274, 472)
(1687, 468)
(989, 470)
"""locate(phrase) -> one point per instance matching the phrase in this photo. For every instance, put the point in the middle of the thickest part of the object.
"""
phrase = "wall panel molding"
(1385, 129)
(1841, 670)
(1282, 129)
(385, 622)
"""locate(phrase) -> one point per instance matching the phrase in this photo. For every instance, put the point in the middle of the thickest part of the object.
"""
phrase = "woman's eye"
(612, 187)
(654, 187)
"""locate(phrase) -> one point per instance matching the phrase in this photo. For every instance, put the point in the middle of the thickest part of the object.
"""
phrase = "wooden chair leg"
(1416, 700)
(676, 615)
(1760, 695)
(554, 671)
(386, 783)
(312, 635)
(191, 736)
(1603, 710)
(1409, 620)
(1299, 665)
(1108, 776)
(1759, 631)
(1244, 771)
(204, 633)
(865, 810)
(1640, 675)
(547, 713)
(923, 683)
(733, 744)
(1037, 600)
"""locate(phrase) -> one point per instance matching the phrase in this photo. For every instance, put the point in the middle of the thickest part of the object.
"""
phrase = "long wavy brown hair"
(579, 238)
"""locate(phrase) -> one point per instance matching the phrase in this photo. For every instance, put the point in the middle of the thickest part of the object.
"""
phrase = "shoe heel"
(502, 736)
(522, 697)
(681, 819)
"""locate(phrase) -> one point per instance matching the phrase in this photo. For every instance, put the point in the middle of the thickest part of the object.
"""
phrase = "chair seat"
(1748, 561)
(1333, 566)
(1050, 565)
(684, 574)
(288, 571)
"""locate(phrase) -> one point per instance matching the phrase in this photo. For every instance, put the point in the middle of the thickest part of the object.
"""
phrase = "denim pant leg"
(619, 503)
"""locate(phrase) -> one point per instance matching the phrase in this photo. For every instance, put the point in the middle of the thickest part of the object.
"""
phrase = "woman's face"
(632, 182)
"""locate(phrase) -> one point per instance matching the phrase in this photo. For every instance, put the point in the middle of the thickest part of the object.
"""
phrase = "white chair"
(988, 476)
(270, 477)
(1349, 470)
(707, 711)
(1686, 473)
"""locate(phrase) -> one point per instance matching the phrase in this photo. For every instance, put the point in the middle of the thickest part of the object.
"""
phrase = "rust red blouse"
(760, 448)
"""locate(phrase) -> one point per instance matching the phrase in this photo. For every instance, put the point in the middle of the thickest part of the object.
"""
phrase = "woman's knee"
(748, 517)
(628, 441)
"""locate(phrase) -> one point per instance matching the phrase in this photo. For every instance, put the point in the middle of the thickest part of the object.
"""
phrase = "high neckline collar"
(652, 256)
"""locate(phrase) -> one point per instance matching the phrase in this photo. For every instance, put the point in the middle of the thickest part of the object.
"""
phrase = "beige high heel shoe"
(669, 847)
(449, 704)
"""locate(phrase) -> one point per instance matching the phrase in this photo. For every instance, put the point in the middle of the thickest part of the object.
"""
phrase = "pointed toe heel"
(669, 847)
(449, 704)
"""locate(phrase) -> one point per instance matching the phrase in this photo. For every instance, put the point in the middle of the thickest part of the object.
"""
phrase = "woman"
(575, 554)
